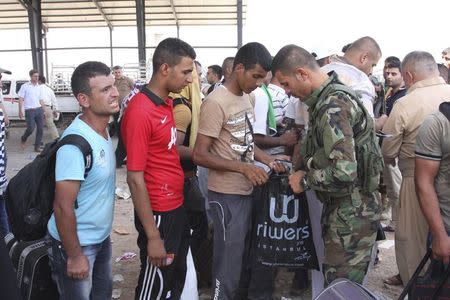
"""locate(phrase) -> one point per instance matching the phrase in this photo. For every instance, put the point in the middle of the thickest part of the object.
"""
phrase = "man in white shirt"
(266, 135)
(50, 107)
(354, 68)
(30, 99)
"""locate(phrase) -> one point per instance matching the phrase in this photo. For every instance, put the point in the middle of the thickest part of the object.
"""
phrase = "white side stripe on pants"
(161, 283)
(150, 273)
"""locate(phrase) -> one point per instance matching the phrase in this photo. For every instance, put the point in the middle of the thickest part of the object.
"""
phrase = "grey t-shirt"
(433, 143)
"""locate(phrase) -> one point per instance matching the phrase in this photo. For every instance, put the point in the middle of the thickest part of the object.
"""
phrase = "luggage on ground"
(433, 285)
(344, 289)
(31, 263)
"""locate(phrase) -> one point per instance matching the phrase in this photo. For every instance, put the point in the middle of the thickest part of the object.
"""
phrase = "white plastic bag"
(190, 291)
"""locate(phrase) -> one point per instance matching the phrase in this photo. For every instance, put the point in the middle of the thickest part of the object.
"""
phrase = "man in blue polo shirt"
(80, 256)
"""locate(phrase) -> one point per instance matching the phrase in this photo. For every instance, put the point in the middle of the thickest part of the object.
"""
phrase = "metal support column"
(111, 46)
(239, 24)
(110, 26)
(35, 22)
(140, 24)
(46, 55)
(175, 17)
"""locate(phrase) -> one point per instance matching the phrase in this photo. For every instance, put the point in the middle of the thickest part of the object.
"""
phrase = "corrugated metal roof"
(100, 13)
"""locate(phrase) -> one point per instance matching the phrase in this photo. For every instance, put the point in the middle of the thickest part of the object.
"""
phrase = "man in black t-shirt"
(391, 174)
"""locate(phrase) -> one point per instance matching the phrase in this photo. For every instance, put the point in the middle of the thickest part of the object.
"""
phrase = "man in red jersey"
(155, 176)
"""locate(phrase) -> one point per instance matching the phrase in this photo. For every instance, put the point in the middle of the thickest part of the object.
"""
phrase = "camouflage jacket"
(329, 150)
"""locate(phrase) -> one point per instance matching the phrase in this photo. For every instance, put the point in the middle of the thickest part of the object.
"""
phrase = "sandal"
(394, 280)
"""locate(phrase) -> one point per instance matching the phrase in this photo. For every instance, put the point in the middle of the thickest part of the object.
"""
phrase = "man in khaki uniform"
(124, 86)
(123, 83)
(426, 90)
(50, 107)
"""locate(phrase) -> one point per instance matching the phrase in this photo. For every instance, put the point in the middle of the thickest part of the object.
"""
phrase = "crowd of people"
(196, 151)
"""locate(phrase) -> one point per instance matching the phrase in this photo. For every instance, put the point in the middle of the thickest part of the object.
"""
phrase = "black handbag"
(433, 285)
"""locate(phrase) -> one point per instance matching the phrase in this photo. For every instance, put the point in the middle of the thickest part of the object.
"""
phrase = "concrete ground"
(126, 272)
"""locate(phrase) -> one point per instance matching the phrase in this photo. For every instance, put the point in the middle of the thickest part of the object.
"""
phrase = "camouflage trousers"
(349, 231)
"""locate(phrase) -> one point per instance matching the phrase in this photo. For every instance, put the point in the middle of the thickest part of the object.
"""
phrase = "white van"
(68, 105)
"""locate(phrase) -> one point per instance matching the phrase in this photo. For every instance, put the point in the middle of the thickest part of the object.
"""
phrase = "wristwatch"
(304, 184)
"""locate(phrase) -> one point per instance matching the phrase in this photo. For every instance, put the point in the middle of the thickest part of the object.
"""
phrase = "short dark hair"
(42, 79)
(253, 54)
(217, 70)
(292, 56)
(85, 71)
(227, 62)
(33, 71)
(345, 48)
(170, 51)
(366, 43)
(393, 62)
(117, 68)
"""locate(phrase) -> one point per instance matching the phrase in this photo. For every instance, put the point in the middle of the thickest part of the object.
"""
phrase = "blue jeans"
(4, 225)
(34, 118)
(97, 286)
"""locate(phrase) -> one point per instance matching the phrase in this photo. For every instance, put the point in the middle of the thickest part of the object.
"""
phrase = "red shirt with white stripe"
(149, 134)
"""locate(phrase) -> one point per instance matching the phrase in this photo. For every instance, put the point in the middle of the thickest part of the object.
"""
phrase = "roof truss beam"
(118, 13)
(100, 10)
(175, 17)
(26, 6)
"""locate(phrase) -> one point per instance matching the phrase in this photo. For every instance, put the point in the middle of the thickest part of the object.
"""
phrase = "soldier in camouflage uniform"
(350, 216)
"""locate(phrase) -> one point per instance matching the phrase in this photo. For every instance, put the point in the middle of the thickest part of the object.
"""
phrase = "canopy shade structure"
(114, 13)
(39, 16)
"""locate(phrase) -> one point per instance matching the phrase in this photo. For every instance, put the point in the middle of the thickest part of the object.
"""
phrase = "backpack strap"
(85, 148)
(363, 132)
(181, 100)
(444, 108)
(367, 130)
